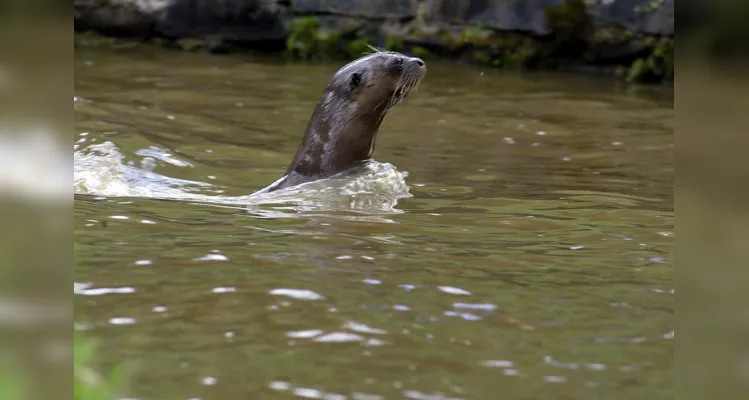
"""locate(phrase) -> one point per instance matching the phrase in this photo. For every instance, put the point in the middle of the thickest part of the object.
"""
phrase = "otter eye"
(399, 62)
(355, 79)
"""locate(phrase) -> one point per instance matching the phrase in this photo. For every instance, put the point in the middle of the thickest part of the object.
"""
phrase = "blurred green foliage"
(87, 383)
(308, 41)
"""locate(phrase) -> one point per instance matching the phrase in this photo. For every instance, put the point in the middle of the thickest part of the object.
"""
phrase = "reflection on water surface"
(529, 257)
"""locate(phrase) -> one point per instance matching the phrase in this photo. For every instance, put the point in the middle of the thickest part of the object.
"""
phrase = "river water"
(513, 241)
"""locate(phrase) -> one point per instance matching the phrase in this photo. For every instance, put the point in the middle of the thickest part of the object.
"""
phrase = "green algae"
(308, 40)
(569, 21)
(89, 384)
(90, 38)
(421, 52)
(571, 33)
(357, 47)
(475, 35)
(192, 44)
(304, 41)
(657, 66)
(394, 43)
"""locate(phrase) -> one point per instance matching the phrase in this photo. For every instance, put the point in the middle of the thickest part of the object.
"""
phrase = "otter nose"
(418, 62)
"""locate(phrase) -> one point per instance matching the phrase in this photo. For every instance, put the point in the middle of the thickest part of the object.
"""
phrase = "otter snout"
(418, 64)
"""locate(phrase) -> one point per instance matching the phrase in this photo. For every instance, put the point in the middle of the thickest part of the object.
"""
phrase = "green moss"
(308, 41)
(569, 20)
(327, 43)
(636, 70)
(358, 47)
(161, 42)
(511, 49)
(393, 43)
(648, 7)
(416, 32)
(87, 383)
(448, 40)
(90, 38)
(570, 44)
(481, 57)
(191, 44)
(657, 66)
(664, 51)
(467, 38)
(613, 33)
(525, 53)
(420, 52)
(303, 40)
(571, 30)
(475, 36)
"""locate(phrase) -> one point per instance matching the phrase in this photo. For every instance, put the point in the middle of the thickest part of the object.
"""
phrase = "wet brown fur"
(342, 130)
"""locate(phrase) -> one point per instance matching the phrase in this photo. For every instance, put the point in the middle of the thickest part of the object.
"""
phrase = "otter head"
(343, 128)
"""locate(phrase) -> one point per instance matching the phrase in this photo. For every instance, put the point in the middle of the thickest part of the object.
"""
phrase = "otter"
(341, 133)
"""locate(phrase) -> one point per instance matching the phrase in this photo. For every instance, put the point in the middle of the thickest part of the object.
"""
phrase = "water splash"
(100, 169)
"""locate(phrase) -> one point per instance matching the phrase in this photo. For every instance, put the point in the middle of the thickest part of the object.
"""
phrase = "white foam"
(101, 170)
(454, 290)
(299, 294)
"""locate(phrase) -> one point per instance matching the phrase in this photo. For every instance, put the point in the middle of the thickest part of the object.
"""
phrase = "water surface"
(517, 243)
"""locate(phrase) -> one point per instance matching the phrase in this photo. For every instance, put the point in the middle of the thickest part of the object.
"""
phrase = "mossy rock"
(328, 43)
(475, 36)
(637, 70)
(569, 20)
(449, 40)
(393, 43)
(191, 44)
(571, 32)
(658, 66)
(162, 42)
(416, 32)
(614, 33)
(421, 52)
(358, 47)
(512, 49)
(302, 41)
(524, 54)
(90, 38)
(664, 51)
(480, 56)
(308, 41)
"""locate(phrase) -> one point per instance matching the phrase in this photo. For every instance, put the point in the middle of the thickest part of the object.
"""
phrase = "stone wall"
(632, 38)
(648, 16)
(219, 20)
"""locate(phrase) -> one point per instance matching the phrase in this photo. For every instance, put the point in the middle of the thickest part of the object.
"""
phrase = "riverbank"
(629, 39)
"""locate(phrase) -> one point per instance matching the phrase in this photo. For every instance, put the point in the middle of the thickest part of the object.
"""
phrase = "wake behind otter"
(101, 170)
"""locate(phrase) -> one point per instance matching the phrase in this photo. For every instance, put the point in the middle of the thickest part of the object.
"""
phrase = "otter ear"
(355, 79)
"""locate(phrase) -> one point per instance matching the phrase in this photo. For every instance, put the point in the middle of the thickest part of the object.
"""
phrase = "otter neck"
(336, 139)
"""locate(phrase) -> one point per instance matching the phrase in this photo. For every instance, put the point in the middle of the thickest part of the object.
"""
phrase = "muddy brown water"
(533, 260)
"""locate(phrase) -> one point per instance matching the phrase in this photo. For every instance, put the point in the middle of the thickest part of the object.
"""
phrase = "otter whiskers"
(403, 88)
